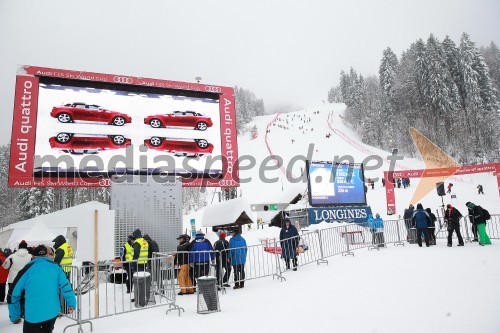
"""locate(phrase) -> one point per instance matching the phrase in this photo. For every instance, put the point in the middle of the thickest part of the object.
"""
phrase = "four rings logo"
(105, 182)
(213, 89)
(122, 79)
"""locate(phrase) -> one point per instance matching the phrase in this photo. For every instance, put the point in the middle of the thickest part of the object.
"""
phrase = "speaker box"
(440, 189)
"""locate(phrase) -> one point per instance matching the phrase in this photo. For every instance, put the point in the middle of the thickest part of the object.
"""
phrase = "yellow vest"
(67, 260)
(129, 252)
(143, 255)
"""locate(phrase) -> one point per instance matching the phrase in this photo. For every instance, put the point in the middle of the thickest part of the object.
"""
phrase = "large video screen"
(79, 129)
(335, 184)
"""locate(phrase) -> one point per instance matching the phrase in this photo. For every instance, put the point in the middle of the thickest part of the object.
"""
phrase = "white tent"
(38, 234)
(75, 223)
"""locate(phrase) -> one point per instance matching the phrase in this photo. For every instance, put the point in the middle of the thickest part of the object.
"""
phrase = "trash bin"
(142, 288)
(208, 297)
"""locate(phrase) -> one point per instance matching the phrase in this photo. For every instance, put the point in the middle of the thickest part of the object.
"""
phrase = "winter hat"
(137, 233)
(183, 236)
(130, 238)
(419, 206)
(470, 204)
(377, 215)
(40, 251)
(222, 234)
(200, 232)
(23, 245)
(287, 220)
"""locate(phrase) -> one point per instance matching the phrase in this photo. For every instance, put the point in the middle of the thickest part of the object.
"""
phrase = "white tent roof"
(39, 234)
(225, 212)
(59, 218)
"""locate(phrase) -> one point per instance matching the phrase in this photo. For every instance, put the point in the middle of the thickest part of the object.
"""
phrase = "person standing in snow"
(238, 257)
(421, 220)
(41, 282)
(378, 226)
(480, 189)
(127, 255)
(479, 216)
(64, 254)
(200, 255)
(141, 252)
(371, 227)
(450, 185)
(222, 262)
(182, 261)
(452, 217)
(15, 263)
(152, 246)
(289, 237)
(432, 226)
(4, 274)
(407, 216)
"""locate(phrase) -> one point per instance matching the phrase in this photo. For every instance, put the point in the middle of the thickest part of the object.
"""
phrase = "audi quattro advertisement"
(78, 129)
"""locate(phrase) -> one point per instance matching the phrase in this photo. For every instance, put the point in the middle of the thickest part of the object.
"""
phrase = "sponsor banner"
(439, 172)
(22, 149)
(389, 193)
(498, 176)
(357, 214)
(105, 130)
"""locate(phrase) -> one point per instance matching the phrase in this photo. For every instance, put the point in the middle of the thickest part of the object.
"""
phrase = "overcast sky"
(287, 52)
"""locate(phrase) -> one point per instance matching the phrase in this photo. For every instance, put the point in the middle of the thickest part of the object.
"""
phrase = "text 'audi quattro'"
(87, 144)
(190, 119)
(70, 112)
(180, 147)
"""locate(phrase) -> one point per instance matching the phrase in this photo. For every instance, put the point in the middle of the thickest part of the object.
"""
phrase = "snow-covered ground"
(398, 289)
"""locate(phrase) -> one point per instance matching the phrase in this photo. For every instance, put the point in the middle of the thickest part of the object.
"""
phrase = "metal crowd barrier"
(98, 296)
(101, 289)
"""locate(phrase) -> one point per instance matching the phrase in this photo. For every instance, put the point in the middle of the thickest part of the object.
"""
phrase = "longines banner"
(358, 214)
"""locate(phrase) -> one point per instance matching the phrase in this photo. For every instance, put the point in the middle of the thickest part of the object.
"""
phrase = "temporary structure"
(227, 215)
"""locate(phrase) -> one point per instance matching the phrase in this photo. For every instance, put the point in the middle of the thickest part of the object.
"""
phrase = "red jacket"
(4, 273)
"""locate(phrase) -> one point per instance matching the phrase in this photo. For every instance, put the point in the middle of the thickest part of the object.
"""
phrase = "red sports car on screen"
(180, 118)
(180, 147)
(87, 144)
(70, 112)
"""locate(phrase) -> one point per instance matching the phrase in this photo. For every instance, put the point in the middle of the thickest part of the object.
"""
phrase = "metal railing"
(99, 296)
(101, 290)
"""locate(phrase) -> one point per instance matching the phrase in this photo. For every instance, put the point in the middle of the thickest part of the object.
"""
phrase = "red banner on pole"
(389, 193)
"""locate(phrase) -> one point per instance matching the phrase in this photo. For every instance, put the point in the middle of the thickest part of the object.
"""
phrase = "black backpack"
(485, 215)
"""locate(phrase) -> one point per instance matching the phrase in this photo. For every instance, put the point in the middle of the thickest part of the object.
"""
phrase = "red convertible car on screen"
(180, 118)
(70, 112)
(87, 144)
(180, 147)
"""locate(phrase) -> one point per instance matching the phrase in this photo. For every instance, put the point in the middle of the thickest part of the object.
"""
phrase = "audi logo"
(122, 79)
(104, 182)
(213, 89)
(227, 182)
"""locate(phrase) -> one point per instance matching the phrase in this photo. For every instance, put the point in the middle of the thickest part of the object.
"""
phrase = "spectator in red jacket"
(4, 273)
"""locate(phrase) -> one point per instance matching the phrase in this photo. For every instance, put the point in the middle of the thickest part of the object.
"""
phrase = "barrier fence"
(101, 289)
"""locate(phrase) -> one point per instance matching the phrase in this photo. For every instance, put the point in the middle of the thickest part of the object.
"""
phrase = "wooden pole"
(96, 261)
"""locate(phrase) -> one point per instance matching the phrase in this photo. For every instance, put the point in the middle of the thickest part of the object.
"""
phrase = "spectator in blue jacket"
(200, 255)
(237, 257)
(378, 229)
(41, 282)
(421, 220)
(371, 226)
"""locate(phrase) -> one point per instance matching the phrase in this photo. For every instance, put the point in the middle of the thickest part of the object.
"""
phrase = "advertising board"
(335, 184)
(79, 129)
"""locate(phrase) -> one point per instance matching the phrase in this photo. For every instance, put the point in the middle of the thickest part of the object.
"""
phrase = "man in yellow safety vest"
(64, 254)
(127, 255)
(141, 250)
